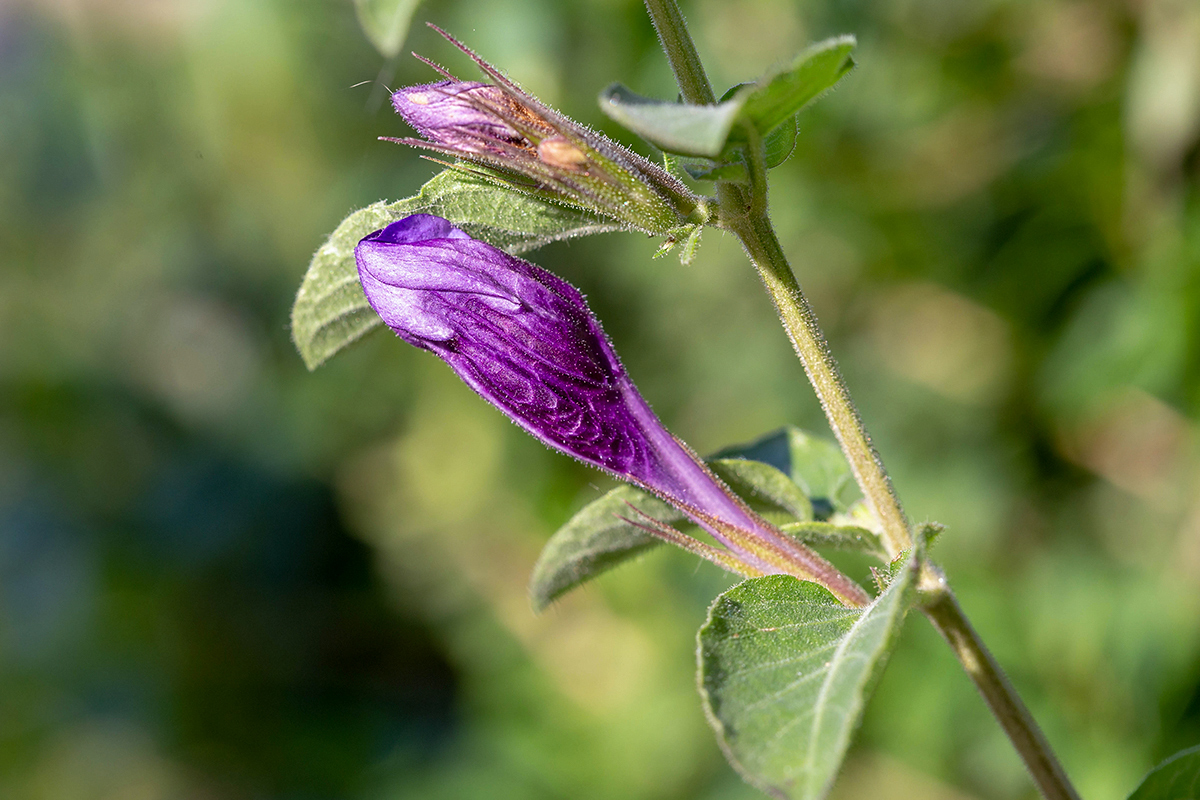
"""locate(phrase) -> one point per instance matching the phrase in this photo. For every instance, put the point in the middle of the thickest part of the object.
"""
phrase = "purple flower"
(537, 150)
(526, 341)
(519, 336)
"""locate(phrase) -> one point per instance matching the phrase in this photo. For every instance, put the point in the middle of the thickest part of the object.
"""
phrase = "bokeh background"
(222, 576)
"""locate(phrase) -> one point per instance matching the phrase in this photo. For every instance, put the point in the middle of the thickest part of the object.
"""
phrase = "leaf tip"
(541, 592)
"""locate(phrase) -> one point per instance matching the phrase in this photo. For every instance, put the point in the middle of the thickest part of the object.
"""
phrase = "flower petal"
(520, 336)
(457, 114)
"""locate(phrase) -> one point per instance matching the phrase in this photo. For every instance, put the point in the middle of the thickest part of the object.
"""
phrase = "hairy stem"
(681, 52)
(742, 210)
(943, 610)
(938, 603)
(762, 246)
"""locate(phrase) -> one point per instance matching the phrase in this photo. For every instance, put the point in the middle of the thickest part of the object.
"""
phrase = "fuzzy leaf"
(816, 465)
(775, 475)
(673, 127)
(753, 472)
(839, 537)
(331, 310)
(718, 131)
(596, 539)
(386, 23)
(778, 98)
(716, 170)
(785, 671)
(819, 468)
(766, 489)
(777, 148)
(779, 143)
(1177, 778)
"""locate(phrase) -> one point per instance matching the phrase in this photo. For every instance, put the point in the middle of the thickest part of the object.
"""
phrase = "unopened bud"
(498, 125)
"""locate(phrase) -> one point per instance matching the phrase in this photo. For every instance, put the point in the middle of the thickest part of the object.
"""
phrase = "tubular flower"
(537, 150)
(526, 341)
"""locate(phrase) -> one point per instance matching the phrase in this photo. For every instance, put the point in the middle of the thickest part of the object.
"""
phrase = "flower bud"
(526, 341)
(519, 336)
(537, 149)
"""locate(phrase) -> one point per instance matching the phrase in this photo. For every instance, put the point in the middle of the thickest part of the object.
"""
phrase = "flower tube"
(526, 341)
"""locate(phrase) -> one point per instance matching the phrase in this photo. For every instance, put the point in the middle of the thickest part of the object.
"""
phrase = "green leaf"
(819, 468)
(686, 237)
(771, 449)
(774, 475)
(816, 465)
(673, 127)
(716, 170)
(778, 98)
(331, 311)
(766, 489)
(1177, 778)
(777, 148)
(386, 23)
(596, 539)
(779, 143)
(839, 537)
(691, 244)
(717, 132)
(785, 671)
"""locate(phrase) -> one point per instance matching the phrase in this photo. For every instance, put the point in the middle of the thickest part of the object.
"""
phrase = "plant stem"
(745, 215)
(742, 210)
(942, 608)
(762, 246)
(937, 600)
(681, 52)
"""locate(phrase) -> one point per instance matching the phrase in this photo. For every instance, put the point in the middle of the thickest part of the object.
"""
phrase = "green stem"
(745, 215)
(681, 52)
(800, 322)
(742, 210)
(756, 171)
(943, 610)
(939, 603)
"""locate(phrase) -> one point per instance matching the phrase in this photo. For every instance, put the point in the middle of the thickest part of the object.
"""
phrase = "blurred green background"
(222, 576)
